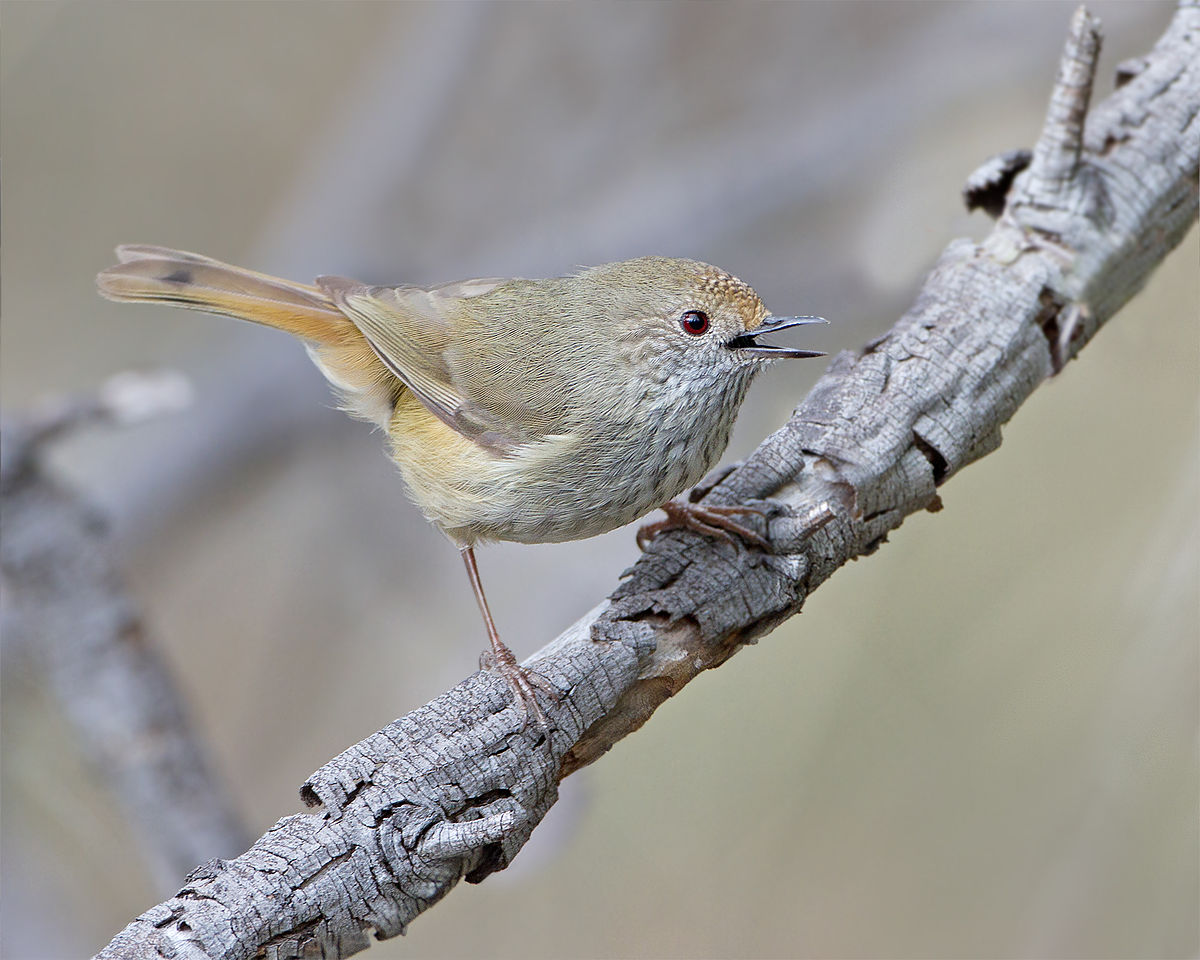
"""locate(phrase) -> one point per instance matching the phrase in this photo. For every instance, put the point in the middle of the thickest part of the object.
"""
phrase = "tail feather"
(148, 274)
(158, 275)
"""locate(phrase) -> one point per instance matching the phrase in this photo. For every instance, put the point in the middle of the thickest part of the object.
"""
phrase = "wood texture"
(454, 789)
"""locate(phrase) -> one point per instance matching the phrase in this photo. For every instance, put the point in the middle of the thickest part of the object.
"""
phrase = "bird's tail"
(159, 275)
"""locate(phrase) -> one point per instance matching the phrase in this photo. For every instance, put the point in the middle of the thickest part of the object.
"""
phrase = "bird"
(526, 410)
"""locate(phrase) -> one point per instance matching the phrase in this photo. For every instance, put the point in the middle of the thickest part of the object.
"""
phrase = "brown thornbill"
(526, 410)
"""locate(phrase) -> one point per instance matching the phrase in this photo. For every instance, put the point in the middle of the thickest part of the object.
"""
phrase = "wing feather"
(411, 329)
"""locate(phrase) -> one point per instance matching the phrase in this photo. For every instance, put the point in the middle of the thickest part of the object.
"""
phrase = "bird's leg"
(712, 521)
(522, 681)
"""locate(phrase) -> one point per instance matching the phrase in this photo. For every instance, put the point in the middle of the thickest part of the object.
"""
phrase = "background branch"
(65, 607)
(454, 788)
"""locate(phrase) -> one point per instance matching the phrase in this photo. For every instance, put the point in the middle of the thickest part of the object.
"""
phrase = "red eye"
(694, 322)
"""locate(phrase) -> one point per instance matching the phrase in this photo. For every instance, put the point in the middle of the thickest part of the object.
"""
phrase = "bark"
(454, 789)
(66, 609)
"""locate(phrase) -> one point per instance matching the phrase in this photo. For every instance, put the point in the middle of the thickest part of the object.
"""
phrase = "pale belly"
(560, 488)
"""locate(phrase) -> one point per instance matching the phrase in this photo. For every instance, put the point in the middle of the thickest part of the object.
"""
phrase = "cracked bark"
(454, 789)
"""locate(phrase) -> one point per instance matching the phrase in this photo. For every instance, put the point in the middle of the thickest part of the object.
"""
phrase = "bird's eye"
(694, 322)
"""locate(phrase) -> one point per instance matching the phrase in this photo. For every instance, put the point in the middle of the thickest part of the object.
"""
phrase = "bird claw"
(712, 521)
(523, 682)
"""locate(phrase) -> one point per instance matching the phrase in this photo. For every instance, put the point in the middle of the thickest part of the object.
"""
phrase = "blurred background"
(980, 742)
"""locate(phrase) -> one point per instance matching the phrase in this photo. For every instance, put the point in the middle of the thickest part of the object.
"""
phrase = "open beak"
(747, 343)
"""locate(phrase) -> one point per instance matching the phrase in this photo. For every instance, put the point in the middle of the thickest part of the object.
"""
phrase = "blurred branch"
(455, 788)
(65, 608)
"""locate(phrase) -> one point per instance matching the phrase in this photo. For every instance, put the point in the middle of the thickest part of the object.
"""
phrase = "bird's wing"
(462, 372)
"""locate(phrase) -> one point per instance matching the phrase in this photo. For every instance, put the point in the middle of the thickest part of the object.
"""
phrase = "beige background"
(979, 742)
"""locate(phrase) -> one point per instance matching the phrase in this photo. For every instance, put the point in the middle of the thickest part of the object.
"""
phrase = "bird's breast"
(587, 480)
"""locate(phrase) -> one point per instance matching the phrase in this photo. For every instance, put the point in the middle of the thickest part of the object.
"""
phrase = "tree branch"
(455, 788)
(65, 607)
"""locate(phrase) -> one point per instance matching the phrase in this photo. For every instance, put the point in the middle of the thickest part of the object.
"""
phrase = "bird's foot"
(712, 521)
(523, 681)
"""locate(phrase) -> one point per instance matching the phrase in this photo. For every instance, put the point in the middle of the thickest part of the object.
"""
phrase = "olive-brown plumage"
(526, 410)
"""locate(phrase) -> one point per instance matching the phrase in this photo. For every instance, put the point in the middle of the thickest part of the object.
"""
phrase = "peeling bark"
(454, 789)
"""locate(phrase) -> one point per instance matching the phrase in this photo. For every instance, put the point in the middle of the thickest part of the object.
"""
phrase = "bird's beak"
(747, 344)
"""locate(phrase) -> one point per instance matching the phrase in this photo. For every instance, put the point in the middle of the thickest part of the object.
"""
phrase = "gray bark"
(454, 789)
(66, 610)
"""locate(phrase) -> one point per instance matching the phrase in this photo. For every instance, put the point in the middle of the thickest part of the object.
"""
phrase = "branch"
(65, 607)
(455, 788)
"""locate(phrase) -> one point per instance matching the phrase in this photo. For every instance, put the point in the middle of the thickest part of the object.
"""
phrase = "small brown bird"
(528, 410)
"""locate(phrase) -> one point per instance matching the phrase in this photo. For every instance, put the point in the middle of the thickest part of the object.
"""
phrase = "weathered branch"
(454, 788)
(66, 608)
